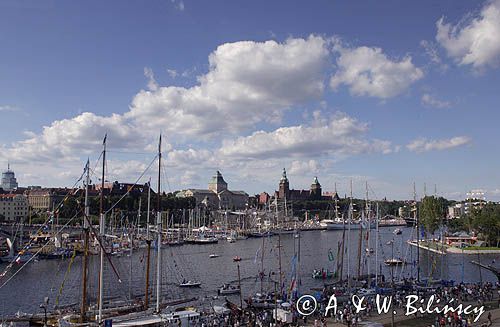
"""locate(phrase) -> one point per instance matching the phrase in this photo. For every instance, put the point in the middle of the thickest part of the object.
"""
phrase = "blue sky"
(387, 92)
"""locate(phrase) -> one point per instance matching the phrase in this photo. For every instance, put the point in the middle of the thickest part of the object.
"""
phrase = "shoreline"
(449, 249)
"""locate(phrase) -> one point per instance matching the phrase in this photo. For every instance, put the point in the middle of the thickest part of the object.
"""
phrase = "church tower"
(284, 190)
(315, 189)
(217, 183)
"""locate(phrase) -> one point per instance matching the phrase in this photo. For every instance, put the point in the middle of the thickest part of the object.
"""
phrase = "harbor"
(195, 266)
(260, 257)
(181, 163)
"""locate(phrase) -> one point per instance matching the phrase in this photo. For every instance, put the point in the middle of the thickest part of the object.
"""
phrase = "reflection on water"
(27, 290)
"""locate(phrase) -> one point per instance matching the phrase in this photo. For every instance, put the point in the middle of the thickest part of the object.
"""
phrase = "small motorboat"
(231, 239)
(394, 262)
(322, 274)
(236, 259)
(228, 289)
(189, 283)
(213, 255)
(397, 231)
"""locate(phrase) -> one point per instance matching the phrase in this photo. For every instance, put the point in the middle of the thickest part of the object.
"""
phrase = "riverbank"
(440, 248)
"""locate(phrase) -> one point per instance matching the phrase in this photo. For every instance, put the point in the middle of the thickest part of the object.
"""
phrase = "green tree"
(487, 222)
(432, 212)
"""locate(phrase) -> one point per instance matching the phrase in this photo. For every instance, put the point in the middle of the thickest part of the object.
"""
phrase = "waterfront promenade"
(439, 248)
(400, 320)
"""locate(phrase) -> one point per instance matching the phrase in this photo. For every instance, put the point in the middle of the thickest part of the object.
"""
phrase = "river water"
(60, 280)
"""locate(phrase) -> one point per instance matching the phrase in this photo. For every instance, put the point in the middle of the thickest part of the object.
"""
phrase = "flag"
(105, 137)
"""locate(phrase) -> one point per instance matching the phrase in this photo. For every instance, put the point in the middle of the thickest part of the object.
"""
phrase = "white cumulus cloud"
(475, 42)
(340, 136)
(307, 167)
(70, 138)
(429, 100)
(367, 71)
(424, 145)
(5, 108)
(248, 82)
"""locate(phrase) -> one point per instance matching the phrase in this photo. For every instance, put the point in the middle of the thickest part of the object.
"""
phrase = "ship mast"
(262, 267)
(83, 307)
(148, 257)
(376, 246)
(101, 231)
(349, 217)
(159, 228)
(415, 217)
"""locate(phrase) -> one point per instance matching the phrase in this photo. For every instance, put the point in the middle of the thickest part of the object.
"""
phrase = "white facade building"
(217, 195)
(13, 207)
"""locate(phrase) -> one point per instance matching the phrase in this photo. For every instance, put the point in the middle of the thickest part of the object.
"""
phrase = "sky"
(388, 93)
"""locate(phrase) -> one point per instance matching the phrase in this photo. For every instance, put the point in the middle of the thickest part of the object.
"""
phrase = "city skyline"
(387, 93)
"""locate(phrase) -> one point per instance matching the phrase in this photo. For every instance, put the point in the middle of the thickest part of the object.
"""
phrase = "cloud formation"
(340, 136)
(5, 108)
(367, 71)
(476, 41)
(68, 139)
(423, 145)
(431, 101)
(307, 167)
(247, 83)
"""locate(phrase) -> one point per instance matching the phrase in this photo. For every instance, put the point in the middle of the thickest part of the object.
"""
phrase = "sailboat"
(156, 318)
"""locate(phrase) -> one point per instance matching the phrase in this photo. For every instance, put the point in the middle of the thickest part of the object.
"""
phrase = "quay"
(400, 320)
(439, 248)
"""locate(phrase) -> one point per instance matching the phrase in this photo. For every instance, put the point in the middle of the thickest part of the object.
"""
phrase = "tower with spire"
(315, 189)
(9, 182)
(284, 188)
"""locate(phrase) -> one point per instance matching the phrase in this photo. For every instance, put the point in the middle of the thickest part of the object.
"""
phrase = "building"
(217, 196)
(206, 197)
(314, 193)
(456, 211)
(264, 199)
(475, 200)
(9, 182)
(46, 199)
(13, 207)
(117, 188)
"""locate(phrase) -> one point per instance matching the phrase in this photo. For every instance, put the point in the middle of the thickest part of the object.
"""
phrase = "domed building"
(217, 195)
(9, 182)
